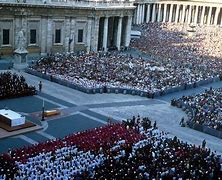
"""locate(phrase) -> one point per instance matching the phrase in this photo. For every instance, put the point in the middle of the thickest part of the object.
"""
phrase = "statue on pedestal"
(21, 52)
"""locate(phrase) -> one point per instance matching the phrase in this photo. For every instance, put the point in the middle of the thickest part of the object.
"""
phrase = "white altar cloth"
(15, 118)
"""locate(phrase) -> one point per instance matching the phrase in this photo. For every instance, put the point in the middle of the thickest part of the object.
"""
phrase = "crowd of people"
(114, 70)
(182, 60)
(135, 148)
(181, 42)
(13, 85)
(132, 149)
(206, 108)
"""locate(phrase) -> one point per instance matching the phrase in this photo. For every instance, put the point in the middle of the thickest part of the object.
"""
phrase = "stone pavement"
(92, 110)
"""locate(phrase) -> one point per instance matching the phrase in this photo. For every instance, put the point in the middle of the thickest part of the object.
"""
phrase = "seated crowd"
(181, 42)
(206, 107)
(13, 85)
(128, 150)
(183, 61)
(114, 70)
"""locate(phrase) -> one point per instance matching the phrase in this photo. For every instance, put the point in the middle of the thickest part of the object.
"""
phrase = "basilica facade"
(64, 26)
(51, 26)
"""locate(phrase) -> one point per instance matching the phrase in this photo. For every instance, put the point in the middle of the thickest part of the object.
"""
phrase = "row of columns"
(178, 13)
(121, 35)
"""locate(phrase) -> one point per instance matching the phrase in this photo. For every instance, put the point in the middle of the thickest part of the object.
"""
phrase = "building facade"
(64, 26)
(51, 26)
(202, 12)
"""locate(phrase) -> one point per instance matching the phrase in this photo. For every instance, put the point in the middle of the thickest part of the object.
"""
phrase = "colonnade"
(114, 32)
(202, 14)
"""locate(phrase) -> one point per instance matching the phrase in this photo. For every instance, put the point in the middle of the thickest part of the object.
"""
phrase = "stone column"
(128, 31)
(43, 35)
(154, 13)
(202, 16)
(88, 48)
(137, 14)
(134, 16)
(119, 33)
(148, 13)
(105, 33)
(159, 13)
(209, 16)
(164, 12)
(49, 35)
(177, 13)
(140, 13)
(183, 13)
(67, 34)
(72, 35)
(143, 13)
(216, 16)
(196, 14)
(221, 22)
(171, 13)
(189, 14)
(95, 34)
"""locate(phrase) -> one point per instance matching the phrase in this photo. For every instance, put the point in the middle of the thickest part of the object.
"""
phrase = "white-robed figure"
(21, 51)
(21, 41)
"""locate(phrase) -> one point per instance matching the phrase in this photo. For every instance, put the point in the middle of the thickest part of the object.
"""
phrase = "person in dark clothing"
(154, 125)
(40, 86)
(104, 89)
(182, 122)
(204, 143)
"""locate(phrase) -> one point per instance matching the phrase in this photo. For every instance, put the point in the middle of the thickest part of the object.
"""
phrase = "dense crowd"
(183, 60)
(206, 107)
(13, 85)
(113, 70)
(197, 44)
(134, 149)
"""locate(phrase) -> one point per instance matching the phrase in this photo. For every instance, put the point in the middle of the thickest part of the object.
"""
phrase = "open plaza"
(110, 90)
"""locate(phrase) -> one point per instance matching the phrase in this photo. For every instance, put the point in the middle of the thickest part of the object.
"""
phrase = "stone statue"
(21, 40)
(21, 52)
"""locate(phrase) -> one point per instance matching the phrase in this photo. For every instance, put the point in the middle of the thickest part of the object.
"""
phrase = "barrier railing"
(119, 90)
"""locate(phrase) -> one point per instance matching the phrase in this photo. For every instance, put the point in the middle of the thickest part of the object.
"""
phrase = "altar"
(11, 118)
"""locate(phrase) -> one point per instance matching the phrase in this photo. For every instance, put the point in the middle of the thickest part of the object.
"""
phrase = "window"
(58, 36)
(32, 36)
(5, 36)
(80, 35)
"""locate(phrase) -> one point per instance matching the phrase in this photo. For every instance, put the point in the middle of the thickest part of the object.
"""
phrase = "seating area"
(114, 70)
(206, 108)
(126, 150)
(13, 86)
(178, 61)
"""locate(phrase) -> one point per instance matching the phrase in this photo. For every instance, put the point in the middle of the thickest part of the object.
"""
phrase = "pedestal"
(20, 59)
